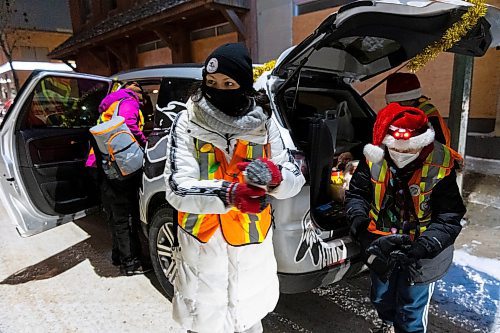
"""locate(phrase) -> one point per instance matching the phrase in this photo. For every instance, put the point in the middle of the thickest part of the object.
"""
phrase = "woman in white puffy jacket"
(225, 159)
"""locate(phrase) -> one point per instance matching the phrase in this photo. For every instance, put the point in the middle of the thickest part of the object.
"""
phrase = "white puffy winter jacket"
(221, 288)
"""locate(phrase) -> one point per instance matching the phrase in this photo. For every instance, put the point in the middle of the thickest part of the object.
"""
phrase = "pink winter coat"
(129, 109)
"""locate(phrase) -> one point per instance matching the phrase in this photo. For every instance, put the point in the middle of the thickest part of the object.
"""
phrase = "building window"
(309, 6)
(85, 10)
(29, 53)
(150, 46)
(213, 31)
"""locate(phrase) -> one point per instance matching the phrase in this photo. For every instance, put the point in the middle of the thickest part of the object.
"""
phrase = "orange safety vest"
(237, 228)
(431, 111)
(438, 165)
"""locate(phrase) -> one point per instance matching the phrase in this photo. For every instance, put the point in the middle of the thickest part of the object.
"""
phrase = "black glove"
(379, 253)
(384, 245)
(359, 224)
(409, 256)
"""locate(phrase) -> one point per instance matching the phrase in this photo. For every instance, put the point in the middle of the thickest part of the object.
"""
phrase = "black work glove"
(409, 256)
(379, 253)
(386, 244)
(359, 224)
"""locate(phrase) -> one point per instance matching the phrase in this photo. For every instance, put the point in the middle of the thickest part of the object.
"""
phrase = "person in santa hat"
(405, 208)
(405, 89)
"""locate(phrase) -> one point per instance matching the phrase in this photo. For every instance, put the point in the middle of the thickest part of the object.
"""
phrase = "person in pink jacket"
(119, 197)
(129, 109)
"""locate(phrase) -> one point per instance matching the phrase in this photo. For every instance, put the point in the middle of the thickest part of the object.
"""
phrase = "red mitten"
(261, 172)
(247, 198)
(276, 177)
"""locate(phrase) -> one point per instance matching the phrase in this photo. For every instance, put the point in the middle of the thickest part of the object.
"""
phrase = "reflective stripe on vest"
(238, 228)
(108, 114)
(431, 111)
(437, 166)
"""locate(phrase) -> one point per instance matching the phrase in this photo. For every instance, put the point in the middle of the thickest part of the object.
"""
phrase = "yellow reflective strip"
(211, 161)
(427, 107)
(249, 152)
(425, 168)
(378, 189)
(446, 163)
(257, 225)
(421, 199)
(378, 186)
(246, 228)
(184, 220)
(197, 146)
(383, 172)
(197, 226)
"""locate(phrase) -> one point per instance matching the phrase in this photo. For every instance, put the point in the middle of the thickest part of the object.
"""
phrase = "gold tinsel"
(456, 32)
(258, 70)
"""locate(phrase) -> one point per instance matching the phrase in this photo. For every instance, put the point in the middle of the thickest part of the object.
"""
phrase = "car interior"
(53, 139)
(326, 118)
(171, 89)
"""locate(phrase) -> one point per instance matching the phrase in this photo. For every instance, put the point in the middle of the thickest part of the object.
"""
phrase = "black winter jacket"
(446, 204)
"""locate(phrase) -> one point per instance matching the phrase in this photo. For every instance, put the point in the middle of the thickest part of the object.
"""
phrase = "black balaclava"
(234, 61)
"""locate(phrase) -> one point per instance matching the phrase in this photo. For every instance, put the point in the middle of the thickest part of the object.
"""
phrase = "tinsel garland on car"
(456, 32)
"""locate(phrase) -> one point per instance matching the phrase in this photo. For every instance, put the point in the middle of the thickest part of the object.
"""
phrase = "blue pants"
(396, 301)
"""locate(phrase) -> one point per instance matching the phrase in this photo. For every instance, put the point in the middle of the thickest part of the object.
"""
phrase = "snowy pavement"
(62, 281)
(469, 295)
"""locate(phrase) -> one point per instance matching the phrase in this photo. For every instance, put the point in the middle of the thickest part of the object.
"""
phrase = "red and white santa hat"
(399, 127)
(402, 87)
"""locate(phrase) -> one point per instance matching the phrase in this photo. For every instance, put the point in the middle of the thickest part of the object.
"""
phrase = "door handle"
(10, 179)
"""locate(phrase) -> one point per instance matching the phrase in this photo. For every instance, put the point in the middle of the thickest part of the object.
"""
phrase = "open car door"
(44, 145)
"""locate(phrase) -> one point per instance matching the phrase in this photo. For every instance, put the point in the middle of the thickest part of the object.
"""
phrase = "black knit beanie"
(232, 60)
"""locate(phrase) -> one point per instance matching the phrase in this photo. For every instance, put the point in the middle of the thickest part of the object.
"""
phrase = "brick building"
(36, 37)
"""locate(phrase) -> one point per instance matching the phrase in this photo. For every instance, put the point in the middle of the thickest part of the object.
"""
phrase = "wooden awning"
(162, 17)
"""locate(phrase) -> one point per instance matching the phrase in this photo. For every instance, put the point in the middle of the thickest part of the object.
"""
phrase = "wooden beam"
(177, 39)
(235, 22)
(164, 35)
(119, 54)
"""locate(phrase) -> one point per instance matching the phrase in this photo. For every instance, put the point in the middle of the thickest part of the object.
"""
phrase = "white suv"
(44, 138)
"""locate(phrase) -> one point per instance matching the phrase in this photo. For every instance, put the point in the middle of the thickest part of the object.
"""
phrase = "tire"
(161, 239)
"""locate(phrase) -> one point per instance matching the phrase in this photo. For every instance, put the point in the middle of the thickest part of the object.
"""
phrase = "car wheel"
(161, 238)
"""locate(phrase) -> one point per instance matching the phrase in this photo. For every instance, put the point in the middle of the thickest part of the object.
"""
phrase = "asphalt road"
(63, 281)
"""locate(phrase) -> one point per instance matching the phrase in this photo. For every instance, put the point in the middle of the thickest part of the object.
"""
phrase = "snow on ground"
(469, 295)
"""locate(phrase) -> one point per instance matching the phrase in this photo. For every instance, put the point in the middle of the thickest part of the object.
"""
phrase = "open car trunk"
(326, 118)
(366, 38)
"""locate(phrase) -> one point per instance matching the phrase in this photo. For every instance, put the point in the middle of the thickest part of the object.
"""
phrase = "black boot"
(134, 267)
